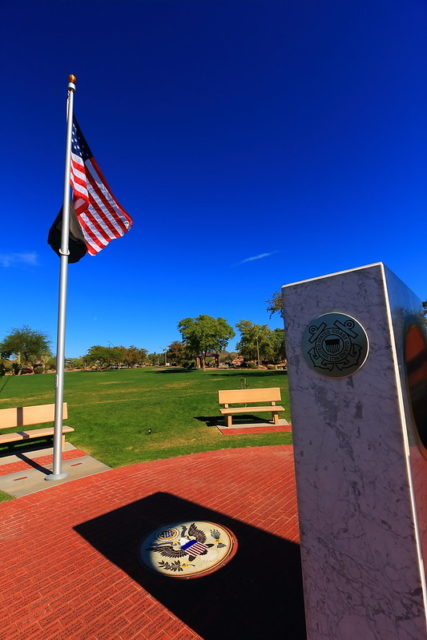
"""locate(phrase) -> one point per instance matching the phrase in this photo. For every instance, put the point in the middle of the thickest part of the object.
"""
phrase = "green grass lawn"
(112, 411)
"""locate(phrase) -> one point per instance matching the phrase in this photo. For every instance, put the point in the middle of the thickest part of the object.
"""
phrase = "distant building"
(201, 359)
(237, 362)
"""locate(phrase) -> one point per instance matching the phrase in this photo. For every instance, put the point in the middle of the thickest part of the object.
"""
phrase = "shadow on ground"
(32, 463)
(219, 421)
(4, 383)
(258, 594)
(227, 373)
(21, 448)
(175, 370)
(250, 373)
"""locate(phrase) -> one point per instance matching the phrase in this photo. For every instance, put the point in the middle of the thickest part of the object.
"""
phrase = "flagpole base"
(52, 477)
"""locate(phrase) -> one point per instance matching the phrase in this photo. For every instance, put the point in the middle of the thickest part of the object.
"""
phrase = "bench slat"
(32, 433)
(270, 409)
(240, 396)
(25, 416)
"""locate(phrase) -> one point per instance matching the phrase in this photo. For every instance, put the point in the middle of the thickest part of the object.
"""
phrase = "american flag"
(101, 217)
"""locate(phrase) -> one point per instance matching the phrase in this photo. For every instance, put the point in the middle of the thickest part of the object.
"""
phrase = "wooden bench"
(244, 396)
(24, 416)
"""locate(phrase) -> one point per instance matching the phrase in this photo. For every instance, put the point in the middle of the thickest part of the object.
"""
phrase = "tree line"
(203, 335)
(200, 337)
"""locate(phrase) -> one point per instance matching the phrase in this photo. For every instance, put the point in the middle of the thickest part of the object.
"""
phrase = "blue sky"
(254, 142)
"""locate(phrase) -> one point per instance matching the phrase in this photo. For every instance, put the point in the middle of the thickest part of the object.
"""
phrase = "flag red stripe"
(77, 162)
(79, 190)
(103, 209)
(107, 186)
(76, 158)
(95, 185)
(78, 170)
(79, 185)
(91, 231)
(98, 222)
(97, 226)
(100, 235)
(77, 179)
(90, 237)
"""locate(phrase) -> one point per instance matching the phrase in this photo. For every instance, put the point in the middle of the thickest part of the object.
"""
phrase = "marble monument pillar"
(357, 366)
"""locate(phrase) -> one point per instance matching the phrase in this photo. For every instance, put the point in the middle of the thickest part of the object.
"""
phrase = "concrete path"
(70, 565)
(25, 473)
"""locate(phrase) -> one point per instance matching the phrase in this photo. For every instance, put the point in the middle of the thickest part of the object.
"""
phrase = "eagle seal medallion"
(188, 549)
(335, 345)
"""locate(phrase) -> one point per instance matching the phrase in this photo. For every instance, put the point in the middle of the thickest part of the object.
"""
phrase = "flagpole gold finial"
(72, 78)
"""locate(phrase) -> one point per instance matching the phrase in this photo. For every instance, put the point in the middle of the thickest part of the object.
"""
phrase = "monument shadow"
(256, 595)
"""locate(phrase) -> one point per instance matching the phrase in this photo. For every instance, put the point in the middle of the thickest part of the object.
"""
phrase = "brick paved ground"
(70, 567)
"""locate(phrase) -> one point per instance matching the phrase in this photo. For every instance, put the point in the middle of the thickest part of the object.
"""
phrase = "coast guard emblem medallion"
(335, 345)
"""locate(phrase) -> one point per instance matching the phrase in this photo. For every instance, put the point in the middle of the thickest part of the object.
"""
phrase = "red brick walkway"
(69, 555)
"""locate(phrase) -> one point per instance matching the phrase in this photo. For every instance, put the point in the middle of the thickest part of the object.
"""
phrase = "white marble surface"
(362, 567)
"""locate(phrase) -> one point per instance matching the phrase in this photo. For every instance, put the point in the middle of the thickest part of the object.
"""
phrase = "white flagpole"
(62, 304)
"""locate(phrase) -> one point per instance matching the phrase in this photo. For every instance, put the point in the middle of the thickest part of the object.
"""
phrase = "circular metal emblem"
(188, 549)
(335, 345)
